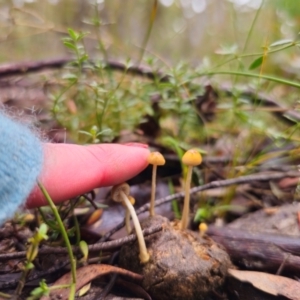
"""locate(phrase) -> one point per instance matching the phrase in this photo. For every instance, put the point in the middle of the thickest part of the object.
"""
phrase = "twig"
(30, 67)
(34, 276)
(211, 185)
(92, 248)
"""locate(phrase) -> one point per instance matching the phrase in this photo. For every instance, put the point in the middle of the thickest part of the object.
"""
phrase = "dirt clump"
(183, 265)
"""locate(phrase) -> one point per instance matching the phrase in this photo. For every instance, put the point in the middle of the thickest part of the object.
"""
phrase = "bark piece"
(259, 251)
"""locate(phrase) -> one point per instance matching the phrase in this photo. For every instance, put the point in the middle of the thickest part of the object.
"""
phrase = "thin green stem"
(253, 75)
(174, 203)
(238, 56)
(56, 101)
(66, 239)
(248, 38)
(148, 33)
(98, 25)
(252, 27)
(21, 282)
(5, 296)
(46, 221)
(77, 230)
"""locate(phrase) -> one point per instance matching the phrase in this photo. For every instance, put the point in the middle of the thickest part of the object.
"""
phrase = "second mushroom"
(155, 159)
(190, 158)
(120, 193)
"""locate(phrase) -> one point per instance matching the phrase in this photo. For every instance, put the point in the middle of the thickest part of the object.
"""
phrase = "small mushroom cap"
(131, 199)
(203, 227)
(116, 191)
(192, 157)
(156, 158)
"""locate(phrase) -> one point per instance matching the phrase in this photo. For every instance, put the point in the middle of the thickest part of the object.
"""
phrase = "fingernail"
(138, 145)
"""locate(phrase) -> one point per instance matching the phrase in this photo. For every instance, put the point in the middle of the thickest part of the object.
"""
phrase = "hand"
(70, 170)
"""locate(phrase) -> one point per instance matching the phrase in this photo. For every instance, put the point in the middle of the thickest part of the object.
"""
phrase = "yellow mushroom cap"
(131, 199)
(116, 191)
(203, 227)
(156, 158)
(192, 157)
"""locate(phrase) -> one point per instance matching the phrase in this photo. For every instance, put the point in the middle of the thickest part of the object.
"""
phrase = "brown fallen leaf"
(269, 283)
(85, 275)
(134, 289)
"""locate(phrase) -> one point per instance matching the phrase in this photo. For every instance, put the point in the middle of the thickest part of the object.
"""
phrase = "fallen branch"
(11, 283)
(259, 251)
(287, 114)
(29, 67)
(46, 250)
(13, 69)
(214, 184)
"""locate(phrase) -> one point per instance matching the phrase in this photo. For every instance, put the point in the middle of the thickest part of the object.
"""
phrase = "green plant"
(66, 240)
(42, 290)
(207, 212)
(31, 254)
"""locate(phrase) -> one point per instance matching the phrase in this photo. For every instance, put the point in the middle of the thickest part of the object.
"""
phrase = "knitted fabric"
(20, 165)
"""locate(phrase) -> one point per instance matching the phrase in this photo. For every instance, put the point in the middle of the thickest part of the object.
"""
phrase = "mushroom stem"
(127, 221)
(144, 255)
(155, 159)
(127, 214)
(186, 203)
(153, 190)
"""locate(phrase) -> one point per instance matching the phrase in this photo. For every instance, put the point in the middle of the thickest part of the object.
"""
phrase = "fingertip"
(138, 145)
(71, 170)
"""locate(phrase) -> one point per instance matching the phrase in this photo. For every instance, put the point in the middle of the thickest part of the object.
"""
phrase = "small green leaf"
(85, 133)
(43, 229)
(281, 42)
(227, 50)
(82, 35)
(70, 45)
(29, 266)
(84, 249)
(37, 292)
(256, 63)
(83, 58)
(71, 77)
(93, 130)
(106, 131)
(42, 232)
(73, 34)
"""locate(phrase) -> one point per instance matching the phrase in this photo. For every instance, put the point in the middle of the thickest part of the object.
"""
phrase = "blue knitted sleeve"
(20, 164)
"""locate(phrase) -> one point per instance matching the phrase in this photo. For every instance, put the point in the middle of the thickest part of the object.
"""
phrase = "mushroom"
(155, 159)
(127, 215)
(120, 193)
(190, 158)
(202, 228)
